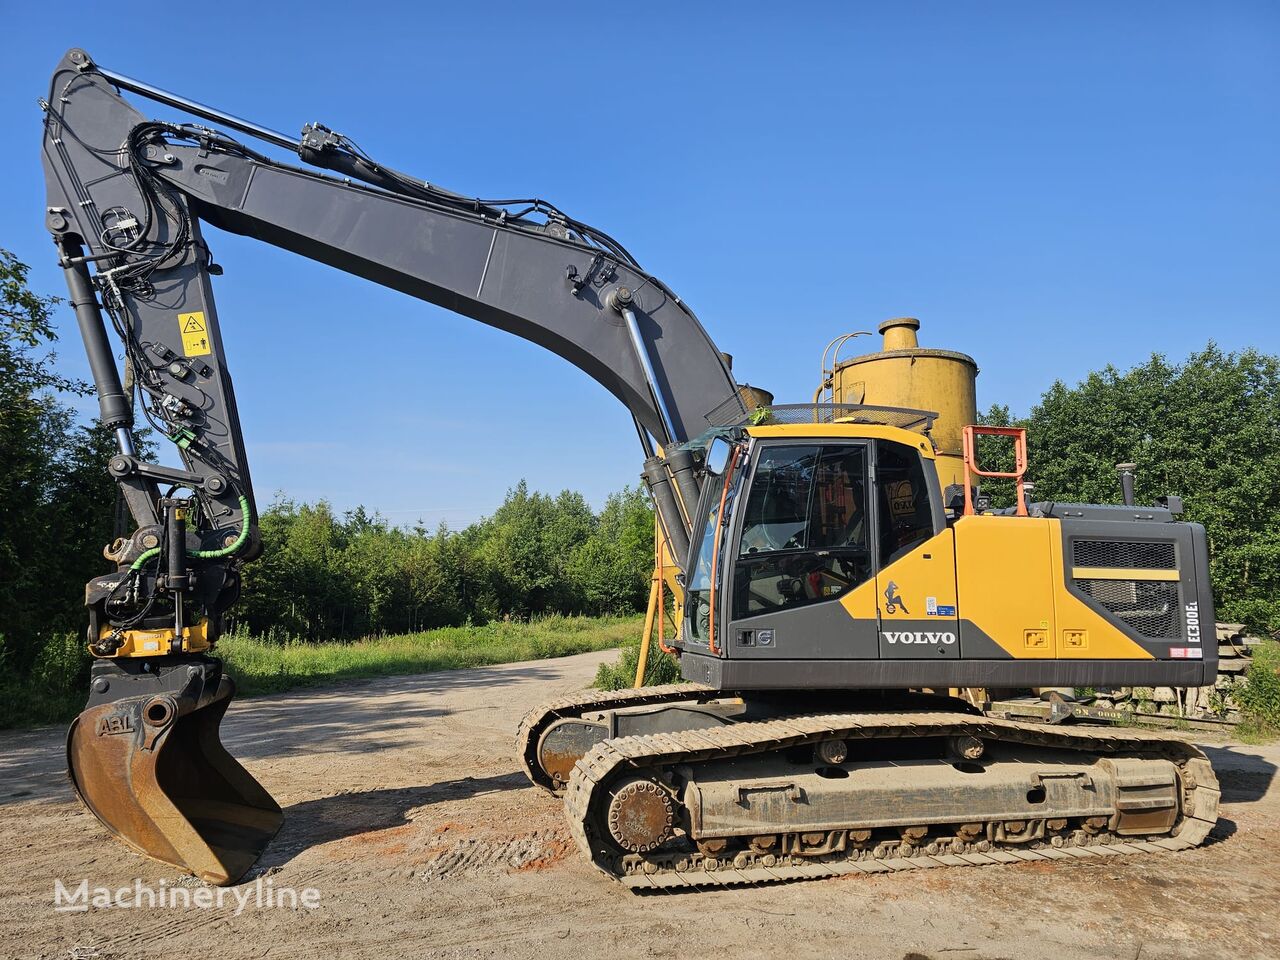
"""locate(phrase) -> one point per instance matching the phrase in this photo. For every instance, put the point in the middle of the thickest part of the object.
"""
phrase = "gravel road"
(407, 816)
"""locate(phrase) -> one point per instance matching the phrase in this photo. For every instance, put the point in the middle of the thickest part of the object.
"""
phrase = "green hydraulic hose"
(240, 540)
(206, 554)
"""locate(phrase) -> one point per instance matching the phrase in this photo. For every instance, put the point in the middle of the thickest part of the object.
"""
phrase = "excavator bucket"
(150, 765)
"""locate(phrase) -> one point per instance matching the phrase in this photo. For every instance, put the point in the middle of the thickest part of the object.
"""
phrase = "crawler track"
(665, 868)
(586, 701)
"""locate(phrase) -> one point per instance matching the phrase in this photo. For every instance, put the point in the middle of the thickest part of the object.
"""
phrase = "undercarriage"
(688, 787)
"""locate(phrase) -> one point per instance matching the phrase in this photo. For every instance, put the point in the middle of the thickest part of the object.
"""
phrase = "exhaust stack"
(1127, 476)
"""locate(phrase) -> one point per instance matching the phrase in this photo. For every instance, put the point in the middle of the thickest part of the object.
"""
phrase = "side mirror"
(718, 455)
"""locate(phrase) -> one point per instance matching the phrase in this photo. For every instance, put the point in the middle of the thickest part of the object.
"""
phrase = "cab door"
(803, 552)
(916, 597)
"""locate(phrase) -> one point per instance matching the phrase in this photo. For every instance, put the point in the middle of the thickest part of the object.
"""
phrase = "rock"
(1164, 695)
(1105, 704)
(1143, 693)
(1170, 710)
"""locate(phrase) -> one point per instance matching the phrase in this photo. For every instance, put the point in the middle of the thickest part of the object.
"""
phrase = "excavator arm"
(128, 197)
(126, 204)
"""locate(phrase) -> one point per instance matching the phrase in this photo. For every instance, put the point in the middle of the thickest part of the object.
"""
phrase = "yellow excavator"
(833, 563)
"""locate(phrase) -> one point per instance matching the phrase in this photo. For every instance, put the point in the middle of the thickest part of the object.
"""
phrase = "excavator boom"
(127, 201)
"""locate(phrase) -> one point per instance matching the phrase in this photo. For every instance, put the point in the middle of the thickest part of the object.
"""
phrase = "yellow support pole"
(643, 661)
(655, 600)
(663, 578)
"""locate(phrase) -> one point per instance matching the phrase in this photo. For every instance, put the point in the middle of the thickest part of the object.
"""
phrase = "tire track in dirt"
(496, 854)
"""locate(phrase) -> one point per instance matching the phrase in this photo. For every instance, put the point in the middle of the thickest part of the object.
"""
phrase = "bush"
(55, 688)
(1259, 695)
(327, 577)
(661, 668)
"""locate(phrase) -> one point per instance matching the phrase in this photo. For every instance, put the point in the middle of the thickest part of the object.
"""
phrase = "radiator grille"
(1149, 607)
(1142, 555)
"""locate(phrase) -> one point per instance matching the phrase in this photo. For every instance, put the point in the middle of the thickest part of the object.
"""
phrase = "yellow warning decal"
(195, 334)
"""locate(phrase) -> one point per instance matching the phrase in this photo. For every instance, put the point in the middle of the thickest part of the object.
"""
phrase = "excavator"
(838, 576)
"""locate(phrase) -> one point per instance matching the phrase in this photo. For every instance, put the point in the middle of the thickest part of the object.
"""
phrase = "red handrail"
(971, 432)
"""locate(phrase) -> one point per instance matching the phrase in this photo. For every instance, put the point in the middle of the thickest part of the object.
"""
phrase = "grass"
(266, 667)
(57, 690)
(1259, 695)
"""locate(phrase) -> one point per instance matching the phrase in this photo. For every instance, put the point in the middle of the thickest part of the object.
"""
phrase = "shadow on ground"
(1244, 777)
(363, 716)
(359, 716)
(315, 822)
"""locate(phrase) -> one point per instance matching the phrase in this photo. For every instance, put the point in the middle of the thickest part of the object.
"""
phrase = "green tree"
(436, 569)
(298, 586)
(58, 508)
(322, 577)
(528, 543)
(611, 568)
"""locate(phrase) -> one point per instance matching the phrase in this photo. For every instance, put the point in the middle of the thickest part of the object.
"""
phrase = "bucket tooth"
(148, 762)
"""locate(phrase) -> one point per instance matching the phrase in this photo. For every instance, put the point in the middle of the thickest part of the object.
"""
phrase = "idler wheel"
(641, 816)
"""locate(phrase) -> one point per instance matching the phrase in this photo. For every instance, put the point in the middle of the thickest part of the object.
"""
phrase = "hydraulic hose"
(206, 554)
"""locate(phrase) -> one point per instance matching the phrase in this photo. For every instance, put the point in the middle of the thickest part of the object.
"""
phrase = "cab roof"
(844, 431)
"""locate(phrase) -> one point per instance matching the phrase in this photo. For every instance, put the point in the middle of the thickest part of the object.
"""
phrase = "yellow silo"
(904, 374)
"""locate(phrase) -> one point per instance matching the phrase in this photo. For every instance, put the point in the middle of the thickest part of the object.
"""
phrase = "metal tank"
(905, 374)
(752, 397)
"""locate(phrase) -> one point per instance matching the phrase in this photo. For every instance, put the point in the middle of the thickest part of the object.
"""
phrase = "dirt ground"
(406, 811)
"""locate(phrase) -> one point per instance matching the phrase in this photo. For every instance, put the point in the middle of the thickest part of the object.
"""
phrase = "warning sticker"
(195, 334)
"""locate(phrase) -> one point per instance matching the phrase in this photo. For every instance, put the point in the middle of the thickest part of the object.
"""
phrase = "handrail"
(827, 377)
(971, 432)
(715, 554)
(662, 599)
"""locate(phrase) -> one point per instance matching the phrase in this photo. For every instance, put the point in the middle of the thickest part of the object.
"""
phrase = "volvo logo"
(918, 636)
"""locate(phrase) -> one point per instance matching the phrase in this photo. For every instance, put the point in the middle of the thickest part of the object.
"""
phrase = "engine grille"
(1143, 555)
(1148, 606)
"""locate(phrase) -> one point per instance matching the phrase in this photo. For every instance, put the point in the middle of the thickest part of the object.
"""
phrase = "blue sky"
(1047, 186)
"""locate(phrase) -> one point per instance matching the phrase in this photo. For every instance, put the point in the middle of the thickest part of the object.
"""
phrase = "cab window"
(805, 530)
(906, 516)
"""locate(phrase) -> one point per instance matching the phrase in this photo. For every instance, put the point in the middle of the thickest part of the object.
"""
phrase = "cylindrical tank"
(904, 374)
(752, 397)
